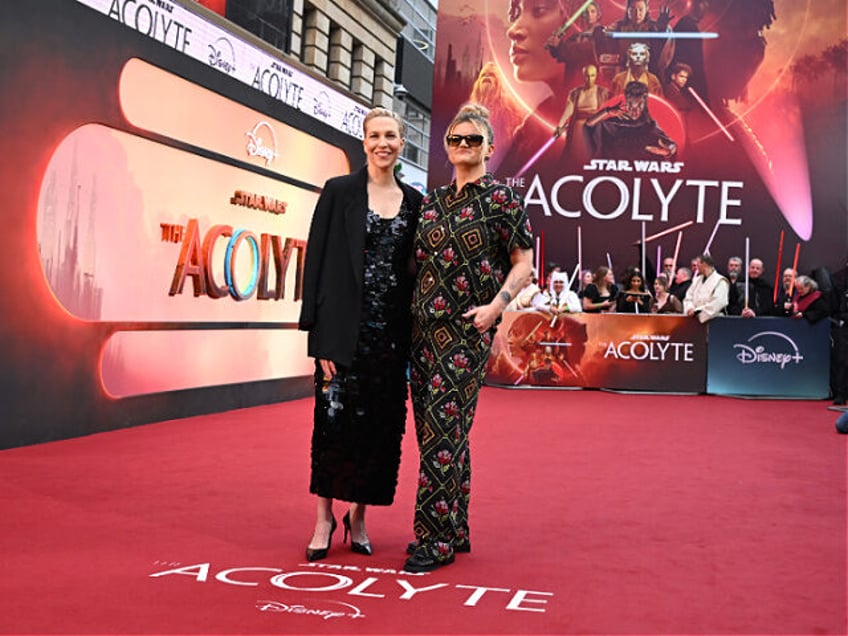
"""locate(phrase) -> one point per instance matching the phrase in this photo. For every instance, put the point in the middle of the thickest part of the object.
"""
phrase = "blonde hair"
(476, 114)
(383, 112)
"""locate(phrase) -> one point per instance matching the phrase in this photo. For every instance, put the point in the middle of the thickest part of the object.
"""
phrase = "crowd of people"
(703, 291)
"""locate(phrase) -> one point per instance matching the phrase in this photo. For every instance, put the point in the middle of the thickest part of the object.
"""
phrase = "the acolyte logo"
(781, 351)
(262, 142)
(199, 253)
(222, 55)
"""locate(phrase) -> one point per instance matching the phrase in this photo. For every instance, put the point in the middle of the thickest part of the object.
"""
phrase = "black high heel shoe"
(316, 554)
(359, 548)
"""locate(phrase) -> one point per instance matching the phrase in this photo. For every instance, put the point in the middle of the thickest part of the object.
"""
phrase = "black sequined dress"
(360, 415)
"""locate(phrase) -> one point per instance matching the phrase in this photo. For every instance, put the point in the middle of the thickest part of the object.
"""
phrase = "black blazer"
(335, 259)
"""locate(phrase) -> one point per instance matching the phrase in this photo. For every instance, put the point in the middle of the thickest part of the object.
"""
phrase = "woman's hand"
(328, 367)
(483, 317)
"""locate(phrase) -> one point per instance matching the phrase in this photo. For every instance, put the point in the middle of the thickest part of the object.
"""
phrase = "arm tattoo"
(506, 297)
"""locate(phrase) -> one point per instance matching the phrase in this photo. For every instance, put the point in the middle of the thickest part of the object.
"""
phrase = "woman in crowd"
(600, 296)
(473, 249)
(634, 298)
(664, 302)
(810, 303)
(357, 288)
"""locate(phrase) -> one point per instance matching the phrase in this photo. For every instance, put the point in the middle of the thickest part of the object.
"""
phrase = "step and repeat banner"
(757, 357)
(777, 357)
(159, 180)
(737, 135)
(615, 351)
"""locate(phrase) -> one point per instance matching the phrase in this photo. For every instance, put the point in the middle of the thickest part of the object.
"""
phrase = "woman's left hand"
(483, 317)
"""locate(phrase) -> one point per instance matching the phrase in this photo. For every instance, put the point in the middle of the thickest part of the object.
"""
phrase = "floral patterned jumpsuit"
(462, 247)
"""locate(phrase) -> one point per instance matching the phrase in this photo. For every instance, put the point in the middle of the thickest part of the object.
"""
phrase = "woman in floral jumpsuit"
(473, 251)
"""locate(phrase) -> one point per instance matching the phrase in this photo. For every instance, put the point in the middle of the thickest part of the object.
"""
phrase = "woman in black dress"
(600, 296)
(634, 298)
(357, 289)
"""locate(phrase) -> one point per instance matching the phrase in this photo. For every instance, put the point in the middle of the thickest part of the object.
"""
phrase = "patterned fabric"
(462, 247)
(360, 415)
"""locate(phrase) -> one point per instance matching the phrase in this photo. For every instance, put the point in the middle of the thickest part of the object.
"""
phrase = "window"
(417, 120)
(421, 24)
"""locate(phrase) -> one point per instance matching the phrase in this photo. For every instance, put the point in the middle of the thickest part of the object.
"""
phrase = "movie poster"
(691, 126)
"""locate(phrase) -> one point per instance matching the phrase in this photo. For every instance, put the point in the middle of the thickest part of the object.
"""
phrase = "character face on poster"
(697, 125)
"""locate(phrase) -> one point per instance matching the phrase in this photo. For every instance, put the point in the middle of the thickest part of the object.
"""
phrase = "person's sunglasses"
(472, 140)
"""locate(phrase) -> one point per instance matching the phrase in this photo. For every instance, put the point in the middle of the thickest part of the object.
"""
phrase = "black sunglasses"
(472, 140)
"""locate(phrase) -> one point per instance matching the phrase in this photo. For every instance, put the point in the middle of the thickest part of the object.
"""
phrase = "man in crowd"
(682, 281)
(707, 296)
(758, 298)
(783, 296)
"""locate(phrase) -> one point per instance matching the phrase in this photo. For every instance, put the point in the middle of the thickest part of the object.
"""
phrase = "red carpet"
(592, 513)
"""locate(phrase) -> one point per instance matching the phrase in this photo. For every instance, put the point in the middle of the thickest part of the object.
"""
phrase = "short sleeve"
(512, 222)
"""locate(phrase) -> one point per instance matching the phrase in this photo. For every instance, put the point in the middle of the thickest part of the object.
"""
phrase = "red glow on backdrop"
(773, 137)
(218, 6)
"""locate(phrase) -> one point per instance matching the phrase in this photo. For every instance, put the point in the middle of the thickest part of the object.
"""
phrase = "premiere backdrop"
(756, 151)
(159, 180)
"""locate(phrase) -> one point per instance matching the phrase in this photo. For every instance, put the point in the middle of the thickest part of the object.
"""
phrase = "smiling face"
(534, 23)
(382, 142)
(755, 268)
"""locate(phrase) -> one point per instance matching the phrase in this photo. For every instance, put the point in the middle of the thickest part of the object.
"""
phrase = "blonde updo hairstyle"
(477, 115)
(383, 112)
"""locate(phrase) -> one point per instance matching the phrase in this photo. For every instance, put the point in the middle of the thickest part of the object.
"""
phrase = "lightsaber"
(580, 253)
(747, 276)
(537, 256)
(609, 264)
(542, 257)
(677, 249)
(560, 31)
(712, 236)
(777, 267)
(663, 35)
(709, 112)
(659, 259)
(532, 331)
(642, 250)
(573, 276)
(794, 268)
(653, 237)
(535, 157)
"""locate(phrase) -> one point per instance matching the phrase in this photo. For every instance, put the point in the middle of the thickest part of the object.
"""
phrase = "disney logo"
(283, 608)
(256, 146)
(219, 51)
(751, 354)
(321, 106)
